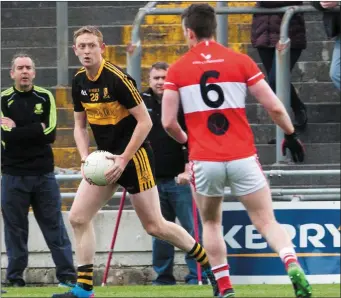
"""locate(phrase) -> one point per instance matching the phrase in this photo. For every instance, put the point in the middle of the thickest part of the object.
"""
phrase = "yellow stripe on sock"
(202, 253)
(86, 274)
(196, 250)
(204, 261)
(84, 281)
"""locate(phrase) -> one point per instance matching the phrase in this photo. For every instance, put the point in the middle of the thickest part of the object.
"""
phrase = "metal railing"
(282, 50)
(283, 194)
(134, 60)
(278, 194)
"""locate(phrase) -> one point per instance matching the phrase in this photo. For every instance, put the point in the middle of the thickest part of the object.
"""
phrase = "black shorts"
(139, 175)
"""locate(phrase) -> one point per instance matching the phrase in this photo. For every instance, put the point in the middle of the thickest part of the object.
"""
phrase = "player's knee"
(76, 220)
(154, 229)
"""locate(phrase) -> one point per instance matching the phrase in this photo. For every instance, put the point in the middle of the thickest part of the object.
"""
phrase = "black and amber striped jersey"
(106, 100)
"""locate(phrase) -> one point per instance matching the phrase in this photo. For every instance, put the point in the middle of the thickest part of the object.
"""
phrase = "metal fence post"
(221, 25)
(62, 43)
(283, 76)
(134, 50)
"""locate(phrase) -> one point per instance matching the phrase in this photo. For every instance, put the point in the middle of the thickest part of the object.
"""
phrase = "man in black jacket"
(28, 128)
(331, 21)
(175, 198)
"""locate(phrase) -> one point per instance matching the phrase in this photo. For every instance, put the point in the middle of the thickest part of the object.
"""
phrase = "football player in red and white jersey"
(212, 83)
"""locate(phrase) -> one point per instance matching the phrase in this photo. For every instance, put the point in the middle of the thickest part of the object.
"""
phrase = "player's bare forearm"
(141, 131)
(282, 119)
(140, 134)
(175, 131)
(265, 96)
(81, 134)
(170, 105)
(82, 140)
(169, 119)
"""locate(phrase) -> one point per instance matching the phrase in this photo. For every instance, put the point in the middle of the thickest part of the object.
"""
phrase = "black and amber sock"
(85, 276)
(199, 253)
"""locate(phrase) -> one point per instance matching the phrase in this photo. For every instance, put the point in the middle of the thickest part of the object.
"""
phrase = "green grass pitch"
(332, 290)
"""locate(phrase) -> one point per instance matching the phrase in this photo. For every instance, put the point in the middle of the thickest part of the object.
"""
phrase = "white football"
(95, 165)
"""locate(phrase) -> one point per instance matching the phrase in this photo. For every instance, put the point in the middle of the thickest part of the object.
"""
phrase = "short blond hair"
(88, 29)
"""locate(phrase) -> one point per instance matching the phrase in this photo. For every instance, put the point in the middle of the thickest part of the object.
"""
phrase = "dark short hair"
(159, 65)
(21, 55)
(200, 18)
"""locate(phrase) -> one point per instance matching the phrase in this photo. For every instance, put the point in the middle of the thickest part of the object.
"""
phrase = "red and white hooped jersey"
(212, 81)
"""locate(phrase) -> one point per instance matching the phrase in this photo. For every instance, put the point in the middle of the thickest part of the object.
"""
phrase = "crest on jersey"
(106, 93)
(207, 57)
(38, 109)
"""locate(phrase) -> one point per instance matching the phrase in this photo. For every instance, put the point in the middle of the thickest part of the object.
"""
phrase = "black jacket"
(331, 20)
(26, 149)
(170, 156)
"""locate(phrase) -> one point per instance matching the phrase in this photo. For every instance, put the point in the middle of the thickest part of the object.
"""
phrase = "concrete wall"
(131, 261)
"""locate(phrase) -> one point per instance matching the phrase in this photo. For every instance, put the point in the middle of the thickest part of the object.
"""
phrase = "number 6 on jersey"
(212, 83)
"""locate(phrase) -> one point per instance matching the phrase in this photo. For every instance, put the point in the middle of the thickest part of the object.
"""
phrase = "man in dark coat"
(265, 35)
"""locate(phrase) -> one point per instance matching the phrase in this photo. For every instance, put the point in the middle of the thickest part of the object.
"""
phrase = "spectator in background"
(175, 199)
(332, 25)
(265, 35)
(28, 128)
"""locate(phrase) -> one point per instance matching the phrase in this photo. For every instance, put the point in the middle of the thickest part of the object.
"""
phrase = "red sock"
(288, 256)
(222, 276)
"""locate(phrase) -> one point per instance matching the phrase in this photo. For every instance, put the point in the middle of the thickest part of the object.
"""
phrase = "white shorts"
(243, 176)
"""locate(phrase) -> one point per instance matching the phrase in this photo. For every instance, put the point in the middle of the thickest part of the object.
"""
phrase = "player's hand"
(7, 122)
(115, 172)
(329, 4)
(183, 178)
(295, 147)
